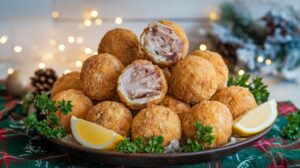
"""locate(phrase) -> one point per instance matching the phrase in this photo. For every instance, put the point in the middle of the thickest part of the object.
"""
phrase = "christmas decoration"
(17, 83)
(270, 44)
(43, 80)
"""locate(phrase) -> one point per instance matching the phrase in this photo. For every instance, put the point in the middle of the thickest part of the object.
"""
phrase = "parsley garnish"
(292, 130)
(203, 138)
(151, 145)
(48, 126)
(65, 107)
(255, 86)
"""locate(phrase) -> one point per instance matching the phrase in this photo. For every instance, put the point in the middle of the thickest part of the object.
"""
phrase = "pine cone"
(43, 80)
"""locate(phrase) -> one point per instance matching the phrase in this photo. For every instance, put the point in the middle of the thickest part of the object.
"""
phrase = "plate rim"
(250, 140)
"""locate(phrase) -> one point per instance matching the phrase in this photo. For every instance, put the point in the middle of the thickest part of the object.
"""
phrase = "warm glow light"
(67, 71)
(87, 22)
(94, 13)
(61, 47)
(203, 47)
(3, 39)
(42, 65)
(260, 59)
(71, 39)
(88, 51)
(78, 63)
(10, 71)
(55, 14)
(268, 61)
(213, 16)
(52, 42)
(18, 49)
(118, 20)
(241, 72)
(79, 40)
(98, 22)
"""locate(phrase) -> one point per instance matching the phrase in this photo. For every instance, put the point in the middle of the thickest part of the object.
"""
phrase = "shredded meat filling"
(164, 41)
(143, 82)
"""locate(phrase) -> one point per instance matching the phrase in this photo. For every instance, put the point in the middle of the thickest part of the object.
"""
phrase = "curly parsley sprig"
(255, 86)
(292, 129)
(49, 126)
(151, 145)
(203, 138)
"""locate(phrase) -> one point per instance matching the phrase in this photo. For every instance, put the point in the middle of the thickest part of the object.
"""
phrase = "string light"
(67, 71)
(88, 51)
(3, 39)
(241, 72)
(260, 59)
(55, 14)
(78, 63)
(87, 22)
(10, 71)
(71, 39)
(268, 61)
(202, 47)
(213, 16)
(79, 40)
(42, 65)
(94, 13)
(18, 49)
(98, 22)
(61, 47)
(118, 20)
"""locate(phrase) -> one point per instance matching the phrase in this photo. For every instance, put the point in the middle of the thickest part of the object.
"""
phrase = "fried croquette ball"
(99, 76)
(65, 82)
(236, 98)
(209, 113)
(164, 42)
(111, 115)
(156, 120)
(193, 79)
(80, 105)
(219, 64)
(176, 105)
(121, 43)
(141, 83)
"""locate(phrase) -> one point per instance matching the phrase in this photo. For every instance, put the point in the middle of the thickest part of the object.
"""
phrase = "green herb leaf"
(44, 104)
(153, 145)
(43, 127)
(255, 86)
(292, 130)
(203, 138)
(65, 107)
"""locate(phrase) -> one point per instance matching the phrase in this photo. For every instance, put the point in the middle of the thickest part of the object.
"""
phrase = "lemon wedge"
(256, 120)
(91, 135)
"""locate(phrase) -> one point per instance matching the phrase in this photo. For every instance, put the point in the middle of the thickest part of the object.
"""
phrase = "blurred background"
(260, 36)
